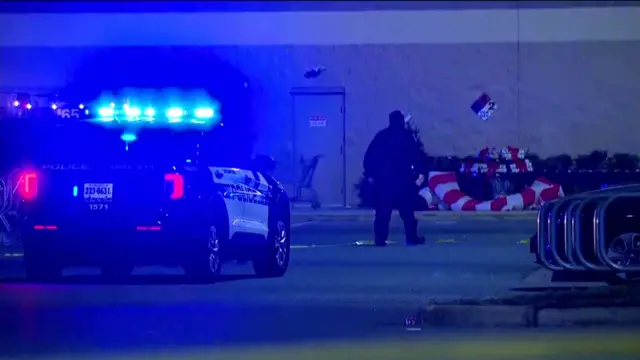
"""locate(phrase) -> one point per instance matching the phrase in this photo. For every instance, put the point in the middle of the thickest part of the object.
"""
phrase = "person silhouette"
(390, 163)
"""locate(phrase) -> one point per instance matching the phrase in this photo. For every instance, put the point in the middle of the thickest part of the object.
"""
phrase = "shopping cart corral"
(305, 182)
(593, 236)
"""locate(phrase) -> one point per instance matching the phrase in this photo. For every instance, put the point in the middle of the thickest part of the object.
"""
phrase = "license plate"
(98, 192)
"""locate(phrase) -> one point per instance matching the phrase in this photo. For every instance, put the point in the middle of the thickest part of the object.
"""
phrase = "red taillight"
(45, 227)
(148, 228)
(28, 185)
(176, 183)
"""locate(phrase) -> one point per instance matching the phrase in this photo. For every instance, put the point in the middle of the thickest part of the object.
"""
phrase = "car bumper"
(82, 241)
(150, 246)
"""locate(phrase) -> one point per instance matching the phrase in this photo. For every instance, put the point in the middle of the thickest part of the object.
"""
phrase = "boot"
(380, 243)
(418, 240)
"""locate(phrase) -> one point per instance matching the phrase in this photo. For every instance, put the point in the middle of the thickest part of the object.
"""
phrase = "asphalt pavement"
(338, 287)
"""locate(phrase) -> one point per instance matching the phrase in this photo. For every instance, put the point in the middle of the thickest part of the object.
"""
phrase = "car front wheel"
(273, 259)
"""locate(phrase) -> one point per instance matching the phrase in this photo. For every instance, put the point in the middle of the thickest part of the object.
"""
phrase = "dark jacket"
(394, 158)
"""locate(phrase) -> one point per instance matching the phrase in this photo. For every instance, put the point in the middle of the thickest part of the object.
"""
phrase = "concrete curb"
(367, 215)
(495, 316)
(619, 316)
(600, 306)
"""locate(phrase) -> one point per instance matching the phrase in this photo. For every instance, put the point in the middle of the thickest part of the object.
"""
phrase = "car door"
(257, 205)
(240, 193)
(226, 178)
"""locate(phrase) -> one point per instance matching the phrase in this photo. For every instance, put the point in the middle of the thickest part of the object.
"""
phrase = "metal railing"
(592, 232)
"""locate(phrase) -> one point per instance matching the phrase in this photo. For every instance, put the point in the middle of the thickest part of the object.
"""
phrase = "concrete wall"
(565, 79)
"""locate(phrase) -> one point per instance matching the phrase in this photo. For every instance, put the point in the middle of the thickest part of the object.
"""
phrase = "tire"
(273, 259)
(204, 263)
(39, 267)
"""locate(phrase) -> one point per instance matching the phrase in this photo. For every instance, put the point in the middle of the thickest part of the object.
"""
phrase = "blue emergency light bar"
(163, 109)
(156, 116)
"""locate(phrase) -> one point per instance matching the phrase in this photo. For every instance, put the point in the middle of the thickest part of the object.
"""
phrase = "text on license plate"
(98, 191)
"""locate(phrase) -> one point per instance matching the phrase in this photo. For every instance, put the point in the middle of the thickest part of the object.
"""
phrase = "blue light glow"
(106, 112)
(204, 113)
(128, 137)
(132, 112)
(75, 191)
(150, 112)
(158, 110)
(175, 112)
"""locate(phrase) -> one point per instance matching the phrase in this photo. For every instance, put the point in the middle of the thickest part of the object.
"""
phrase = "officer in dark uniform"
(395, 165)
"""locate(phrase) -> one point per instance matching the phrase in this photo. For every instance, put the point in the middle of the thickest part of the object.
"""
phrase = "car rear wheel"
(273, 260)
(205, 263)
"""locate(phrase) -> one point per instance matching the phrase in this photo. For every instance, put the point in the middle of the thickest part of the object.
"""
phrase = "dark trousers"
(402, 198)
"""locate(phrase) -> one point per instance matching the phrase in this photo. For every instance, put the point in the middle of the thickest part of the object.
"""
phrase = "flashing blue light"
(135, 113)
(149, 112)
(204, 113)
(132, 112)
(128, 137)
(75, 191)
(106, 112)
(175, 112)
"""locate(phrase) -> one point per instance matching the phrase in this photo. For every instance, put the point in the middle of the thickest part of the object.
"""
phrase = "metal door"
(318, 145)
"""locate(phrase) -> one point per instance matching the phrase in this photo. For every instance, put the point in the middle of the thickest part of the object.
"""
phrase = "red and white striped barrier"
(445, 187)
(491, 161)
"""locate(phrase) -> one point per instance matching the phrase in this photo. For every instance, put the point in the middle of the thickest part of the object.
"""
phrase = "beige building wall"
(566, 80)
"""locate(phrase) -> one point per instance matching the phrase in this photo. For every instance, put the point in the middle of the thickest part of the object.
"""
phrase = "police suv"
(121, 183)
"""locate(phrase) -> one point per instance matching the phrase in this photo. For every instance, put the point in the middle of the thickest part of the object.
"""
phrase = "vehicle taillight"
(28, 185)
(176, 185)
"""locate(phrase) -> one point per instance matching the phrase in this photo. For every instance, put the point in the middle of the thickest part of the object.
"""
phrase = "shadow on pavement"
(117, 328)
(150, 280)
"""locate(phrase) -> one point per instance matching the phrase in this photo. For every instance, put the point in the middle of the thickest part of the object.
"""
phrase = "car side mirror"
(264, 163)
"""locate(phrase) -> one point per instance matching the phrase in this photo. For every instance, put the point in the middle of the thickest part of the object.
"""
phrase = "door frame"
(323, 91)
